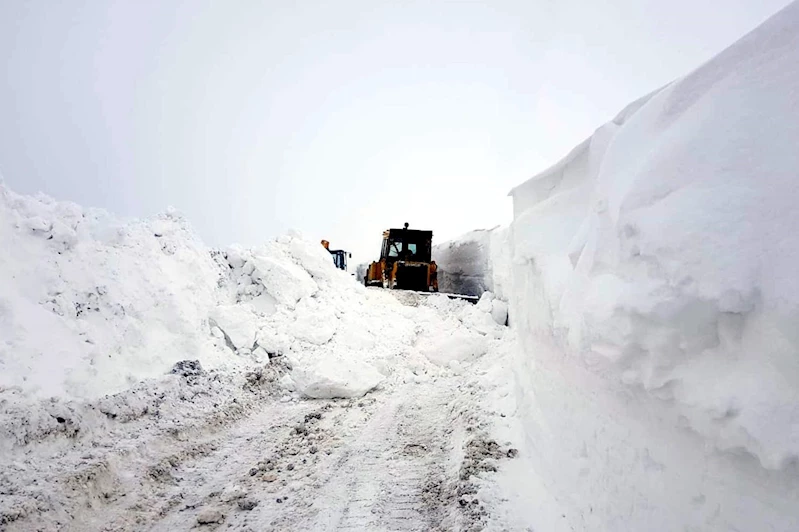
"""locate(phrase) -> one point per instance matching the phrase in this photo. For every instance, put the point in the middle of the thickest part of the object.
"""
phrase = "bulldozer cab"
(339, 255)
(339, 258)
(409, 245)
(405, 262)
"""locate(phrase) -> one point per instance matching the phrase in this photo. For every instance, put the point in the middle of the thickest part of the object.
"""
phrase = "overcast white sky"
(336, 118)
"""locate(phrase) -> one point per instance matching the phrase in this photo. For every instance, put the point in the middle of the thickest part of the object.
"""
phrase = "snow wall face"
(463, 264)
(475, 263)
(360, 271)
(661, 257)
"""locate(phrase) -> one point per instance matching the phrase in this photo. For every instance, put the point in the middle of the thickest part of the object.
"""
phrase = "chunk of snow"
(459, 344)
(63, 234)
(309, 328)
(263, 304)
(329, 378)
(235, 257)
(238, 323)
(233, 492)
(37, 225)
(261, 354)
(314, 258)
(314, 323)
(484, 303)
(287, 382)
(499, 311)
(274, 342)
(286, 282)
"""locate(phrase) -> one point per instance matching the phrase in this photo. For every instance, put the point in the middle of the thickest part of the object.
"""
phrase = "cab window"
(394, 248)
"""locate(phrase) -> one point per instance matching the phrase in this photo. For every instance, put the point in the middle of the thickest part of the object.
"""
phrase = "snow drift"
(661, 255)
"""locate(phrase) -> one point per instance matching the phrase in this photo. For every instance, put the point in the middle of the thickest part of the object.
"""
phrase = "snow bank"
(340, 338)
(332, 331)
(90, 304)
(661, 255)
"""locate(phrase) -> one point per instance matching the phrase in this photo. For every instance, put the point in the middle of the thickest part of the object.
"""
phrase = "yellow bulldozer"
(405, 262)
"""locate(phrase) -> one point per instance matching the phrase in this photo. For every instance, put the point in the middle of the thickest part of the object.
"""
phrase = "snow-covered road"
(398, 459)
(377, 463)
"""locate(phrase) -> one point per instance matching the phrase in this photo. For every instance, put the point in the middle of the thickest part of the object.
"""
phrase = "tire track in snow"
(374, 463)
(387, 462)
(380, 482)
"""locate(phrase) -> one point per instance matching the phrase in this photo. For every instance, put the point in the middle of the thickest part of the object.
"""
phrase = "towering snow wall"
(474, 263)
(660, 256)
(463, 264)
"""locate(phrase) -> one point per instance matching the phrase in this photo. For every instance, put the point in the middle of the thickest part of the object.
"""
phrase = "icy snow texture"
(661, 255)
(360, 271)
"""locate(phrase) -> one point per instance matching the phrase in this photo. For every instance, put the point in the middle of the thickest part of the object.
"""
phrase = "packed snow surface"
(655, 289)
